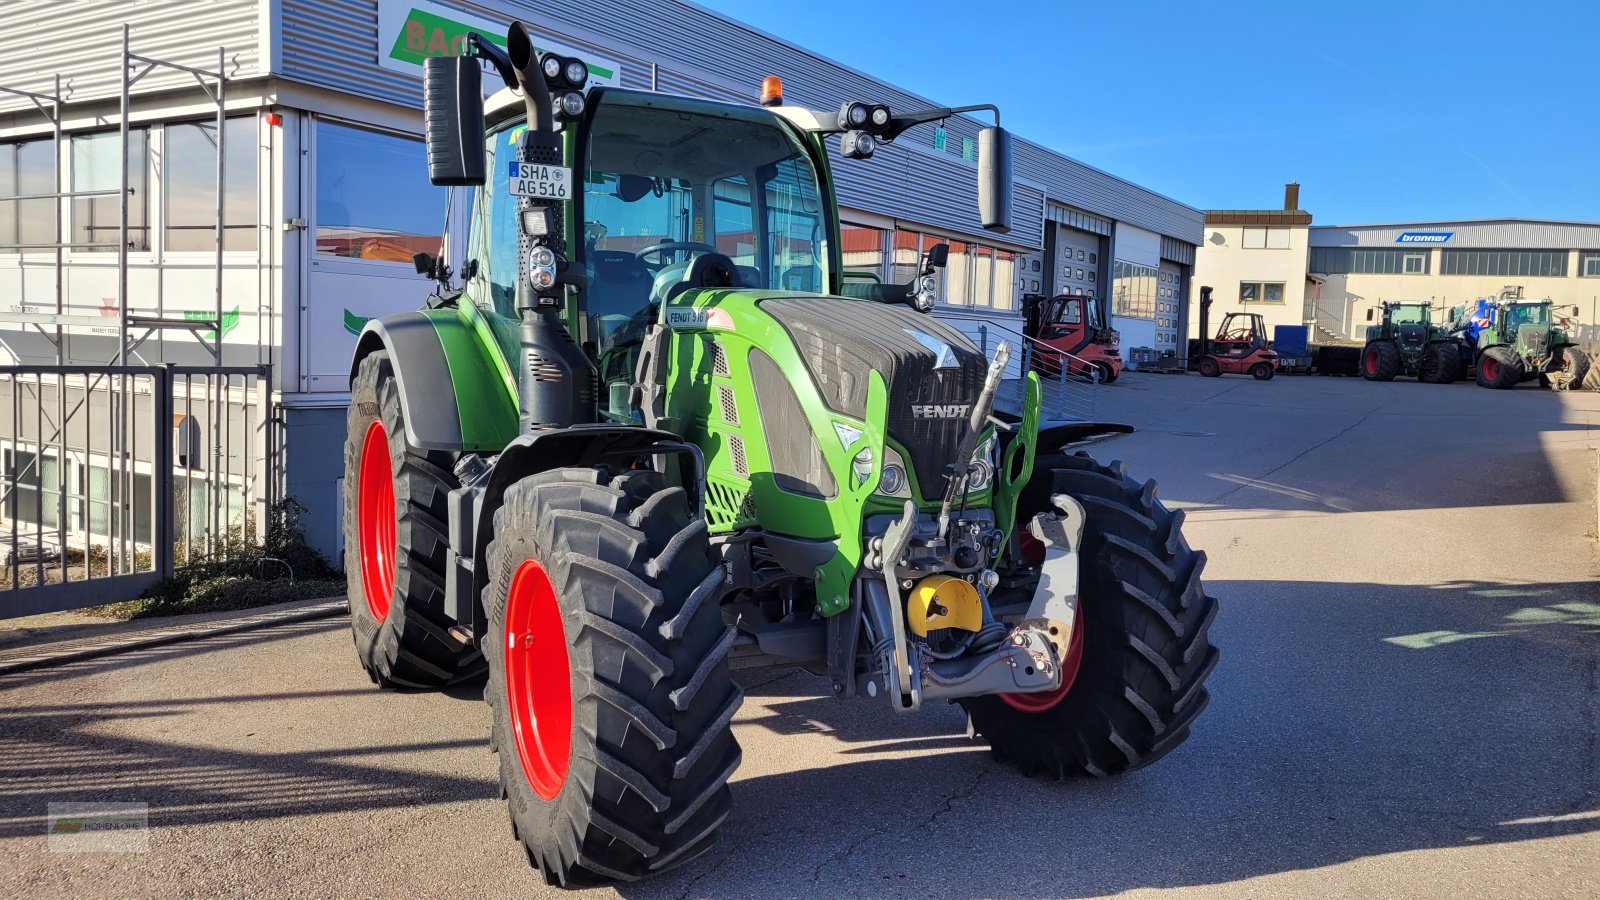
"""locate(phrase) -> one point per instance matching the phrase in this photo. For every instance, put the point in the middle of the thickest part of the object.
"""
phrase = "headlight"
(862, 465)
(576, 72)
(893, 482)
(541, 257)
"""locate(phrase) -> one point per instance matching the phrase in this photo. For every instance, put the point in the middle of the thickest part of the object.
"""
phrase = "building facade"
(324, 201)
(1334, 278)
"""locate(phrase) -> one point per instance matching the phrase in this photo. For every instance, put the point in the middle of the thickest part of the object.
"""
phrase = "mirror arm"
(903, 122)
(484, 49)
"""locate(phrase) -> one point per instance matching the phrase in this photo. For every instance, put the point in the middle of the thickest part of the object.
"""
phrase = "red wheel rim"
(1491, 368)
(1031, 549)
(538, 680)
(1371, 362)
(375, 520)
(1042, 700)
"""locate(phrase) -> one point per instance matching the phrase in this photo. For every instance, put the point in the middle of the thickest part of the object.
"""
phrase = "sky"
(1384, 112)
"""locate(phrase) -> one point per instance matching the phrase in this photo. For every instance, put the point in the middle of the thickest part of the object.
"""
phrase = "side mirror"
(1369, 314)
(994, 178)
(452, 114)
(938, 255)
(424, 263)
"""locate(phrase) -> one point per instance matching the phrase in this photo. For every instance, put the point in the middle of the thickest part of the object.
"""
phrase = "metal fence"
(114, 475)
(1063, 395)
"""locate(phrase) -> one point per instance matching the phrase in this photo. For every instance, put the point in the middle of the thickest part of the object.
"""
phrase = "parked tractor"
(1070, 331)
(1520, 340)
(1406, 342)
(655, 437)
(1240, 347)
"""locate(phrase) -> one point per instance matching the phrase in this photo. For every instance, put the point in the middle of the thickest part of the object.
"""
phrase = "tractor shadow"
(1396, 719)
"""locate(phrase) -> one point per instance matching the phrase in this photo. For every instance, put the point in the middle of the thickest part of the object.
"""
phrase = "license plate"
(540, 182)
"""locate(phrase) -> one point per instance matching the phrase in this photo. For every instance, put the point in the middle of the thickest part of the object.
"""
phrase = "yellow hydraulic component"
(940, 601)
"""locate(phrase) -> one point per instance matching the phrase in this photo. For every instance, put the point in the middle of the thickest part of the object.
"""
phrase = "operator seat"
(708, 270)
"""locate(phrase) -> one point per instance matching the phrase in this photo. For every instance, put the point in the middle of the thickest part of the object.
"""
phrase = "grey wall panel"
(699, 52)
(1514, 234)
(82, 40)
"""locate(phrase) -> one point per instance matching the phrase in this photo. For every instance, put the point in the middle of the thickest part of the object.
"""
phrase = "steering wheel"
(666, 247)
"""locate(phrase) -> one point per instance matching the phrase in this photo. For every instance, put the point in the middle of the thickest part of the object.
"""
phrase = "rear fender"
(1056, 438)
(453, 389)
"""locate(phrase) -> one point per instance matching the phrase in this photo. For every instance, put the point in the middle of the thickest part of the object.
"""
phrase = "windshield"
(1528, 314)
(1409, 314)
(669, 180)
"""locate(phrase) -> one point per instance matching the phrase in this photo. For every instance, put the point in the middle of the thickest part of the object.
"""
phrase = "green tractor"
(1523, 340)
(1406, 342)
(654, 436)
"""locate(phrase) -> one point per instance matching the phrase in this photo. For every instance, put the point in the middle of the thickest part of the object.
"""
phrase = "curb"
(94, 648)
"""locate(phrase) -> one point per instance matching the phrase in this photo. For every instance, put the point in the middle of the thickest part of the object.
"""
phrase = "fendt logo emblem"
(940, 410)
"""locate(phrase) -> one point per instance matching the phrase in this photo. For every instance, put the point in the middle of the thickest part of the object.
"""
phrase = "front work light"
(576, 73)
(857, 145)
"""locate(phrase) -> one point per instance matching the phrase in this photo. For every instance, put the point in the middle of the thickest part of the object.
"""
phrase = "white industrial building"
(1334, 277)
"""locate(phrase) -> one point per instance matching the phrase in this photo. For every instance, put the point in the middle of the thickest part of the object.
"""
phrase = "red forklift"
(1240, 347)
(1071, 324)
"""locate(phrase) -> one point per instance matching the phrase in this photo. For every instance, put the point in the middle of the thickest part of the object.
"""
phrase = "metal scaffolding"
(134, 67)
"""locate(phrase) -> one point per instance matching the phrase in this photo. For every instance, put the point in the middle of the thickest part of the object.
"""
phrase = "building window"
(1133, 290)
(1260, 292)
(1534, 263)
(189, 185)
(1590, 265)
(1364, 261)
(1261, 238)
(27, 169)
(361, 213)
(97, 220)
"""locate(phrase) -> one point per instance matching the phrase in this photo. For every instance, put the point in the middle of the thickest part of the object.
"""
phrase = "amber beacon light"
(771, 91)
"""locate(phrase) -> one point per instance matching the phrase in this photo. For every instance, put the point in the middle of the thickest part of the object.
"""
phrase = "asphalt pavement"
(1406, 705)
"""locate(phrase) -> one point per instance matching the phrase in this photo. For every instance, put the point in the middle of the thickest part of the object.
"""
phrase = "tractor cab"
(1069, 329)
(1240, 348)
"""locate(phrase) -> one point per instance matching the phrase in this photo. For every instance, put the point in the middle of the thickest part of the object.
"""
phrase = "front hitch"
(1027, 661)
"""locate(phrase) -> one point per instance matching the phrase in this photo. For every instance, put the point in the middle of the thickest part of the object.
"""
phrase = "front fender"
(452, 390)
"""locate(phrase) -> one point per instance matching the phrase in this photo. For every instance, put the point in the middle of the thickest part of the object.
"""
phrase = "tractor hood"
(933, 372)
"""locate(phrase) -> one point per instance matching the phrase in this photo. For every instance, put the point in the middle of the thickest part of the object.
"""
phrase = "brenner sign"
(1423, 237)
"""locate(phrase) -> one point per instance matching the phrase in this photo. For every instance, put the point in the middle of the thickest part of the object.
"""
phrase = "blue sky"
(1382, 111)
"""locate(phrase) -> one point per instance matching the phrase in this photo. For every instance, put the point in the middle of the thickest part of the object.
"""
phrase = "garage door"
(1169, 293)
(1077, 263)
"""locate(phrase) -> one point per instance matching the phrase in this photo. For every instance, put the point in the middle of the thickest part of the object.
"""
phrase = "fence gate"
(116, 474)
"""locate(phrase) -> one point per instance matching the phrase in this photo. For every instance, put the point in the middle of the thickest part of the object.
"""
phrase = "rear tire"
(396, 597)
(1380, 361)
(1441, 364)
(643, 784)
(1499, 368)
(1146, 621)
(1209, 368)
(1262, 371)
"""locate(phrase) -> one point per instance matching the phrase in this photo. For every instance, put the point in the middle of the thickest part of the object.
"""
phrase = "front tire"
(395, 549)
(1108, 373)
(1577, 364)
(1499, 368)
(1380, 361)
(1145, 625)
(609, 687)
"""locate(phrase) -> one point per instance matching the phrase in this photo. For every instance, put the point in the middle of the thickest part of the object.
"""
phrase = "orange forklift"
(1240, 347)
(1071, 324)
